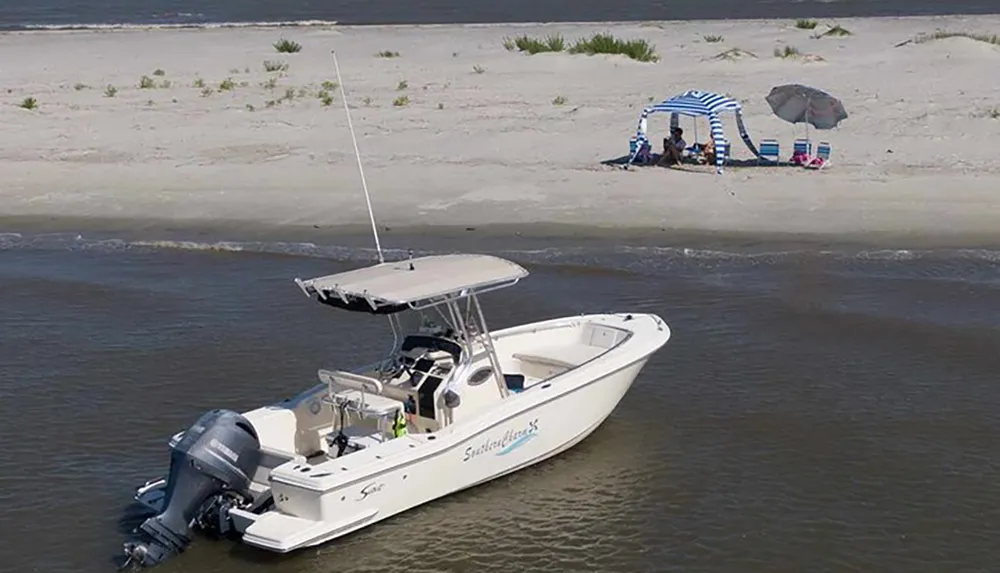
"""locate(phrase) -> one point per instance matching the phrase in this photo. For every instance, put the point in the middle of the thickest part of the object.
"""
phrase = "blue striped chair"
(822, 158)
(802, 152)
(639, 149)
(770, 150)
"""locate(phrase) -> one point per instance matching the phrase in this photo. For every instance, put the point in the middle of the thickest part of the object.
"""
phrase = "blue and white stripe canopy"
(695, 103)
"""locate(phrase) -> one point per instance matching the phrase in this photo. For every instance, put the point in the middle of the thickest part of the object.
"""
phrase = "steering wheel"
(400, 367)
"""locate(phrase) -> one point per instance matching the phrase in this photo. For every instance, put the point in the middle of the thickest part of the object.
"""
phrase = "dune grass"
(944, 34)
(835, 31)
(639, 50)
(713, 39)
(525, 43)
(387, 54)
(28, 103)
(287, 46)
(806, 24)
(273, 66)
(787, 52)
(733, 54)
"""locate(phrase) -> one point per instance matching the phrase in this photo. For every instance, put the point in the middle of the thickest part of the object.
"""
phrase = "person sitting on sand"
(673, 147)
(708, 151)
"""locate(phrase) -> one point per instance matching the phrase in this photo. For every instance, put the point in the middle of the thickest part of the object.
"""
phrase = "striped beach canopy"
(695, 103)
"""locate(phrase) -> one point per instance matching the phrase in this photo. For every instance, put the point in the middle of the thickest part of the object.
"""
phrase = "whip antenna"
(357, 154)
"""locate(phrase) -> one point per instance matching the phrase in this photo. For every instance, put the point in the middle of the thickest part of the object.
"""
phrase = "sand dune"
(487, 135)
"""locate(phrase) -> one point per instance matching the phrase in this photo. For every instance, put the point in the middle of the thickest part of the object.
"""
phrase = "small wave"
(172, 25)
(542, 255)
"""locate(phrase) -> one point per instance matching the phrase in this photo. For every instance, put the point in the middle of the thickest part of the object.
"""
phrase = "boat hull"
(544, 426)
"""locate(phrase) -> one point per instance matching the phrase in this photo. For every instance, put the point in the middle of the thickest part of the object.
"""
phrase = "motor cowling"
(211, 469)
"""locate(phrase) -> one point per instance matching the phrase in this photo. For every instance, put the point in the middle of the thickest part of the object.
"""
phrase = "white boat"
(477, 405)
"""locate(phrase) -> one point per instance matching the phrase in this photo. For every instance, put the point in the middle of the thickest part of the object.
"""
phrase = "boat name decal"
(370, 489)
(508, 442)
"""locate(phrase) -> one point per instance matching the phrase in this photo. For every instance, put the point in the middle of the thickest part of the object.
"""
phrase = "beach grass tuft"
(80, 86)
(325, 98)
(226, 85)
(479, 69)
(402, 85)
(639, 50)
(110, 91)
(401, 101)
(146, 82)
(559, 100)
(28, 103)
(387, 54)
(269, 84)
(329, 86)
(286, 46)
(733, 54)
(273, 66)
(835, 31)
(787, 52)
(713, 39)
(525, 43)
(944, 34)
(159, 72)
(806, 24)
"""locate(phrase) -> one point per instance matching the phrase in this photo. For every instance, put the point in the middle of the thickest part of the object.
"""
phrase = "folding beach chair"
(802, 152)
(639, 150)
(770, 151)
(822, 158)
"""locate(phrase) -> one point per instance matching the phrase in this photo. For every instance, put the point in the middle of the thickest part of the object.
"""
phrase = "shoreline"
(509, 235)
(687, 14)
(336, 25)
(492, 138)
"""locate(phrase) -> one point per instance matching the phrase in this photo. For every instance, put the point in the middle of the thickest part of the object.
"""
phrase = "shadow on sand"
(739, 163)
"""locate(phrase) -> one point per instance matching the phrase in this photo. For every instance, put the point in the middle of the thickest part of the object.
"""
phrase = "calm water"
(813, 412)
(20, 13)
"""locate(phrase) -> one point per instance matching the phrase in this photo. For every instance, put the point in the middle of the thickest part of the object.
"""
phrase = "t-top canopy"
(395, 286)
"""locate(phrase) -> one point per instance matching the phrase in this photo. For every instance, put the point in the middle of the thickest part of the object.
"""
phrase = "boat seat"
(360, 437)
(560, 356)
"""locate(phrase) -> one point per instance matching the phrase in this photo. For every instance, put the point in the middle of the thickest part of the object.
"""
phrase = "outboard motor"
(211, 469)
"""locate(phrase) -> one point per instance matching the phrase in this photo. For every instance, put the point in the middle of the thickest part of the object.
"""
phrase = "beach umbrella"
(796, 103)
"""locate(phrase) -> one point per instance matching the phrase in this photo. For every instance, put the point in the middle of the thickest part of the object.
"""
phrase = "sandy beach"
(491, 136)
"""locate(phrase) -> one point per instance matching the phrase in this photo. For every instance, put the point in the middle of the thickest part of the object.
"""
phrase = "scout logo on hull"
(369, 490)
(504, 444)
